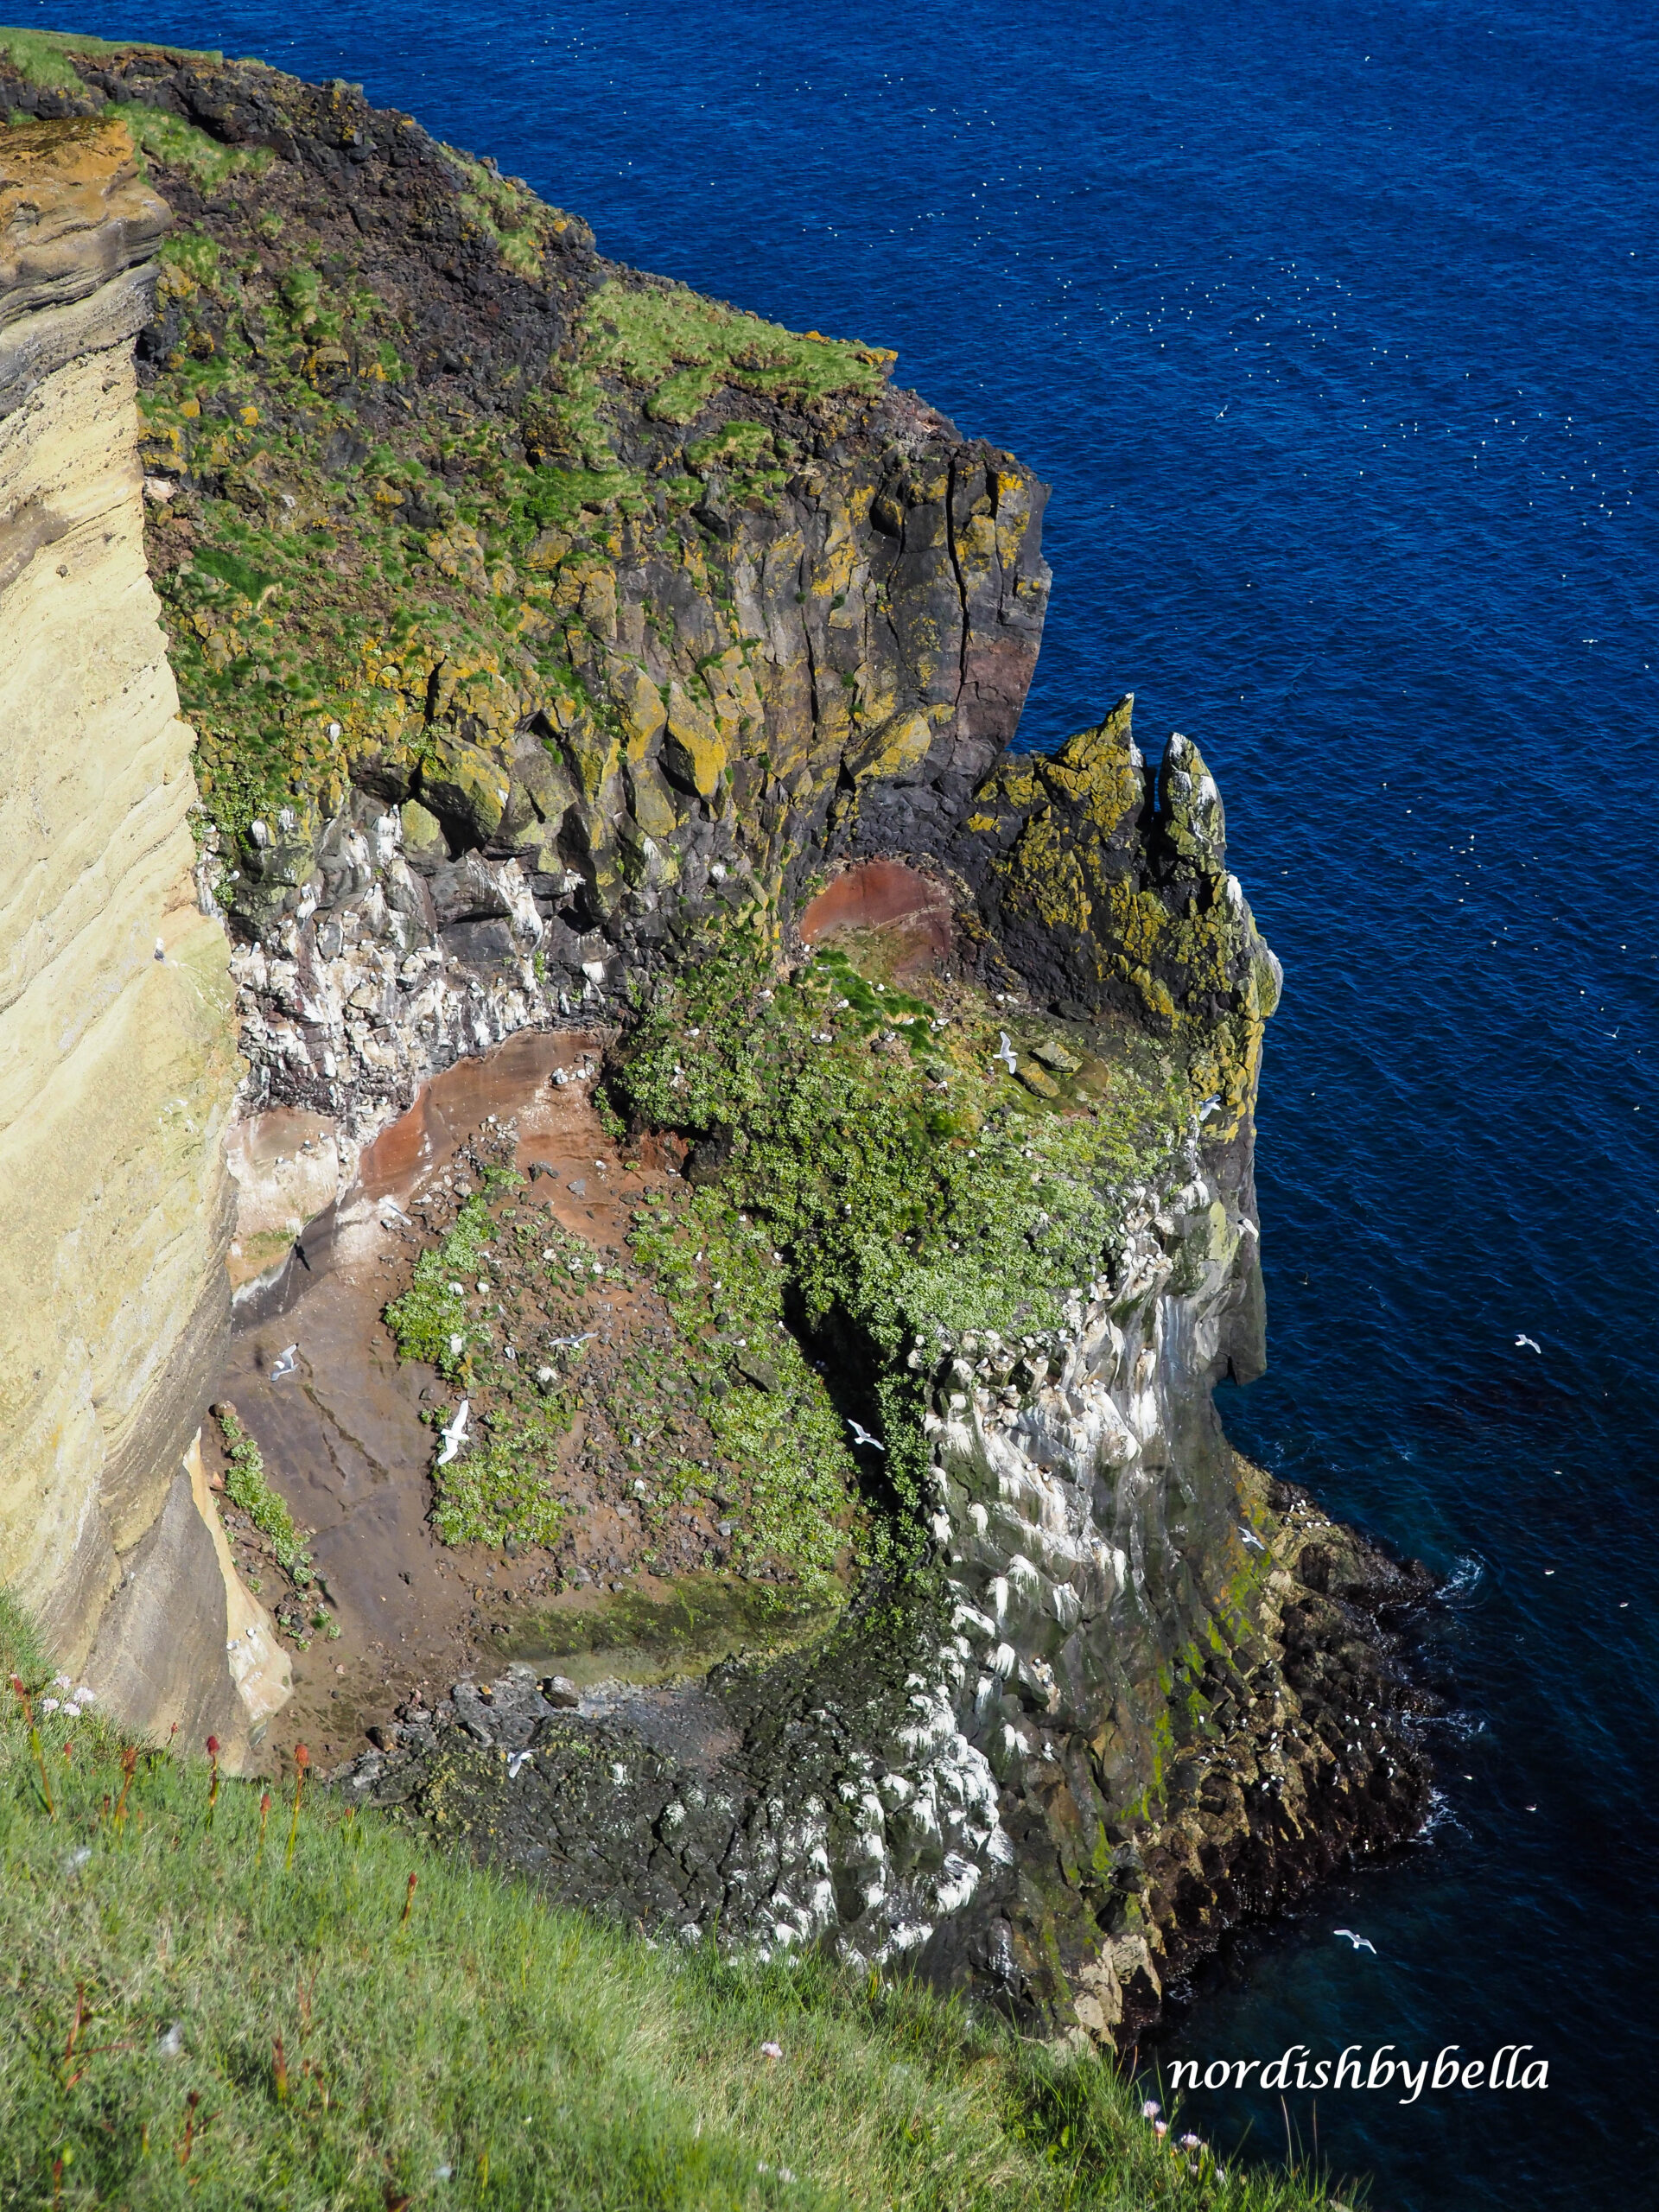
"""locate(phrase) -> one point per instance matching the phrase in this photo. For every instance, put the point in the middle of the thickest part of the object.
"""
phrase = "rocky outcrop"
(116, 1030)
(1105, 886)
(637, 605)
(1150, 1697)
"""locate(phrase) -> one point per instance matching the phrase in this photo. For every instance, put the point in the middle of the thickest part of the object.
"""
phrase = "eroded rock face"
(1153, 1700)
(1107, 888)
(118, 1057)
(1126, 1598)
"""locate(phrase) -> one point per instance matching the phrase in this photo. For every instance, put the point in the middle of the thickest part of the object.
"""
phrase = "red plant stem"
(34, 1745)
(128, 1767)
(302, 1760)
(409, 1898)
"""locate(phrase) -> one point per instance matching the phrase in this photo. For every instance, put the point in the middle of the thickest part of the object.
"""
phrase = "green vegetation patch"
(199, 2015)
(770, 1413)
(247, 1485)
(685, 347)
(703, 1400)
(743, 442)
(171, 138)
(705, 1618)
(515, 219)
(44, 57)
(498, 1487)
(914, 1192)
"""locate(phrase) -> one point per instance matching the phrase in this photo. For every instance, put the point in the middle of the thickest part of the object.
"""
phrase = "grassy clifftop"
(199, 2016)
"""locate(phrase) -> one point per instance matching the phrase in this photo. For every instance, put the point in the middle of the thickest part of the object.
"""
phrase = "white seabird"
(455, 1435)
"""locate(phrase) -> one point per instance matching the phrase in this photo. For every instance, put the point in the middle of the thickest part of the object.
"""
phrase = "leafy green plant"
(247, 1485)
(915, 1193)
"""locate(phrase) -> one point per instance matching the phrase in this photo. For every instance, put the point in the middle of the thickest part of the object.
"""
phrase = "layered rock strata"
(117, 1024)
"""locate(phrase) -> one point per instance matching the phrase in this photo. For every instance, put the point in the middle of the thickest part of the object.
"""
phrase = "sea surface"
(1334, 330)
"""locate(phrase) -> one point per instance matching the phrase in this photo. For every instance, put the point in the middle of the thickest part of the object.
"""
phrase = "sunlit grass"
(194, 2018)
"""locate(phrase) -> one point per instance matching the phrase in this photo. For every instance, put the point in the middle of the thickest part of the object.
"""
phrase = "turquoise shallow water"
(1333, 330)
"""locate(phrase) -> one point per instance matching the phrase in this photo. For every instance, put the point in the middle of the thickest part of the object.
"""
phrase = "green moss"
(684, 347)
(250, 584)
(704, 1620)
(740, 442)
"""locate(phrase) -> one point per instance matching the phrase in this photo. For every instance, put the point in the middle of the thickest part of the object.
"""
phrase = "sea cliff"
(569, 653)
(117, 1018)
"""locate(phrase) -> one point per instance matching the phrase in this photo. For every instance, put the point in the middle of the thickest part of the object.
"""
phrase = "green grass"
(171, 139)
(490, 2051)
(684, 347)
(43, 56)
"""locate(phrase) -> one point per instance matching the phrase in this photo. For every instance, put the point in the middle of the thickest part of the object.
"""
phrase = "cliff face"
(116, 1037)
(1146, 1698)
(635, 602)
(554, 635)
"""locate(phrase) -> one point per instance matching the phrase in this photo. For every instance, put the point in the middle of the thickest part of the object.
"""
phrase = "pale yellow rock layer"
(117, 1034)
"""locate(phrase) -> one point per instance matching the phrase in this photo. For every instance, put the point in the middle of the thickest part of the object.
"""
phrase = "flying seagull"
(1359, 1943)
(571, 1344)
(1210, 1106)
(1528, 1342)
(1005, 1052)
(861, 1435)
(284, 1363)
(455, 1435)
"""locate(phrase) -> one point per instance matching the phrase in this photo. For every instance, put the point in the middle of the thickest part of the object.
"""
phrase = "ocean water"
(1333, 330)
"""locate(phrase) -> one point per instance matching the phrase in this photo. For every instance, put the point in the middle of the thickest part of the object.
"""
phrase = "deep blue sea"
(1334, 329)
